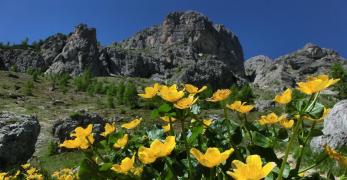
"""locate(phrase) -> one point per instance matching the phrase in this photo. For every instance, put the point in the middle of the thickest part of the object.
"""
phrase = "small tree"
(120, 93)
(83, 81)
(28, 88)
(130, 95)
(338, 72)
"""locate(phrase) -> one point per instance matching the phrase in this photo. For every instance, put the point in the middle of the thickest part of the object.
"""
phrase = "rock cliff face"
(286, 70)
(185, 47)
(79, 53)
(22, 59)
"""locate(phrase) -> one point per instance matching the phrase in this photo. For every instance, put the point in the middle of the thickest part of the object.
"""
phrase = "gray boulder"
(264, 105)
(286, 70)
(18, 136)
(80, 53)
(335, 129)
(63, 127)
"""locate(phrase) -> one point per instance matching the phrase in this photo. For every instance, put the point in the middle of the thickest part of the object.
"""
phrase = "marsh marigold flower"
(285, 97)
(167, 119)
(132, 124)
(170, 94)
(271, 118)
(150, 92)
(212, 156)
(109, 128)
(166, 128)
(64, 174)
(285, 123)
(252, 170)
(207, 122)
(219, 95)
(240, 107)
(156, 150)
(121, 142)
(316, 84)
(340, 158)
(185, 103)
(193, 90)
(126, 165)
(83, 138)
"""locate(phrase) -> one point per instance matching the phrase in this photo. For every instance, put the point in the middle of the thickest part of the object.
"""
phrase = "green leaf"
(88, 170)
(164, 108)
(196, 131)
(105, 166)
(282, 134)
(317, 111)
(237, 136)
(261, 140)
(195, 109)
(155, 114)
(316, 132)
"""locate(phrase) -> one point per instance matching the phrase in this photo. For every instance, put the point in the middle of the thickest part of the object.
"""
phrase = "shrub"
(28, 88)
(337, 71)
(130, 97)
(83, 81)
(60, 81)
(14, 68)
(120, 93)
(110, 99)
(52, 148)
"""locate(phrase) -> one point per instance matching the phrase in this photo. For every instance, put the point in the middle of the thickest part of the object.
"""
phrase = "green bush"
(130, 97)
(59, 80)
(244, 94)
(83, 81)
(337, 71)
(14, 68)
(120, 93)
(52, 148)
(28, 88)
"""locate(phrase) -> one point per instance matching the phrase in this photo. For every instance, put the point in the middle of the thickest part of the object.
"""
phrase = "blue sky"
(269, 27)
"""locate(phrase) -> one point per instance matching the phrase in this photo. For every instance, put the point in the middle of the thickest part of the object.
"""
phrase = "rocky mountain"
(286, 70)
(187, 47)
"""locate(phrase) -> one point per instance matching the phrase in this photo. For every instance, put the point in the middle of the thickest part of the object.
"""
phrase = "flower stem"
(315, 164)
(304, 146)
(291, 141)
(246, 129)
(170, 167)
(171, 127)
(212, 173)
(184, 136)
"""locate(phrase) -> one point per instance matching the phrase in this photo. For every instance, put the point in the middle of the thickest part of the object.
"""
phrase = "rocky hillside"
(286, 70)
(187, 47)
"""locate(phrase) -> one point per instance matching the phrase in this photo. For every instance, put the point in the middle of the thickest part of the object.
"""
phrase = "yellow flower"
(285, 123)
(121, 142)
(137, 171)
(316, 84)
(252, 170)
(83, 138)
(340, 158)
(156, 150)
(212, 156)
(3, 176)
(207, 122)
(132, 124)
(170, 94)
(240, 107)
(193, 90)
(150, 92)
(167, 119)
(271, 118)
(185, 103)
(26, 166)
(64, 174)
(301, 174)
(166, 128)
(285, 97)
(109, 128)
(126, 165)
(219, 95)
